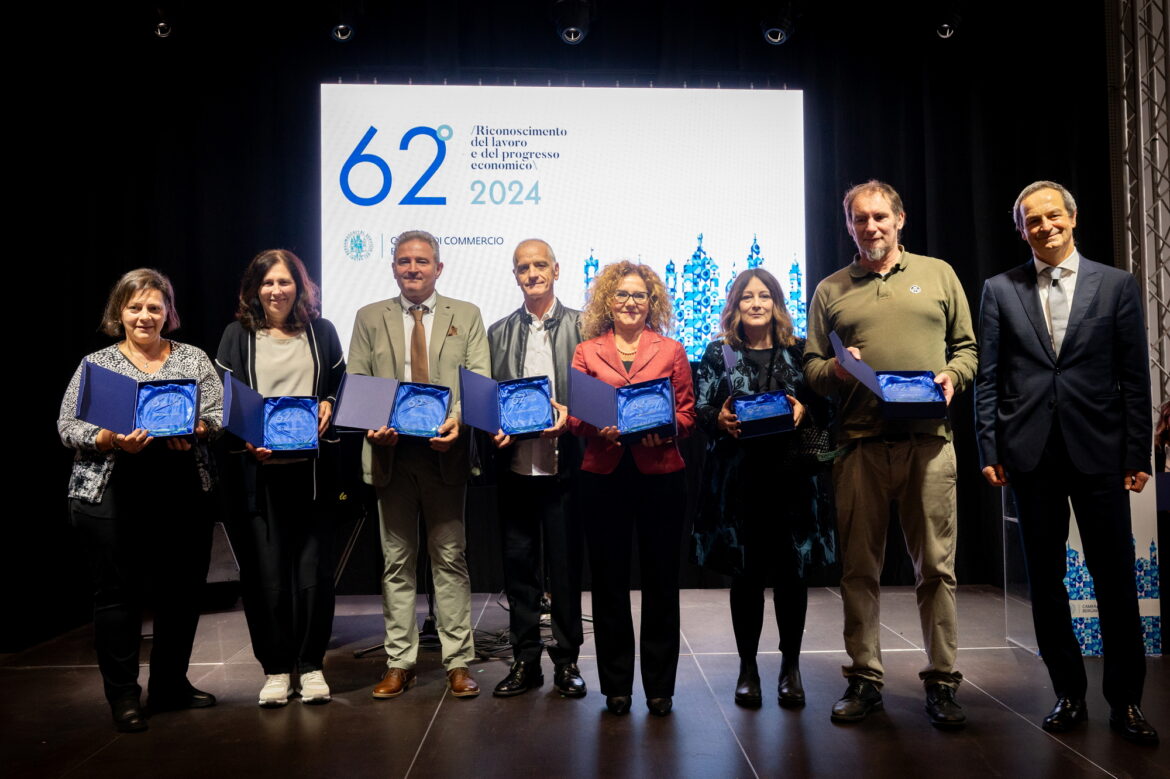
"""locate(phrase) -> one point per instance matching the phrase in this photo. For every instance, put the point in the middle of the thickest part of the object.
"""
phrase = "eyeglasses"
(622, 296)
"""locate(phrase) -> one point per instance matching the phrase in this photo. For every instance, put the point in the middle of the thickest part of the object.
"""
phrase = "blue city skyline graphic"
(1079, 583)
(698, 297)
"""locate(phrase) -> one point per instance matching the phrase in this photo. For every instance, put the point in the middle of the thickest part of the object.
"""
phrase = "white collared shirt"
(408, 328)
(538, 456)
(1068, 280)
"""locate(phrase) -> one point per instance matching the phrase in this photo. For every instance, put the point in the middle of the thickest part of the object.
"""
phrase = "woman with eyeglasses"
(634, 488)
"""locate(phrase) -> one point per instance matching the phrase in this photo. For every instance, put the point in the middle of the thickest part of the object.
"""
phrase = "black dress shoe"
(790, 689)
(521, 678)
(128, 716)
(1132, 725)
(174, 700)
(660, 707)
(861, 699)
(618, 704)
(567, 679)
(942, 708)
(1065, 715)
(747, 687)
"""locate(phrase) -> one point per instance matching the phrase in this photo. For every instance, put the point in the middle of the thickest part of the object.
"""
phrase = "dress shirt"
(538, 456)
(1068, 280)
(428, 320)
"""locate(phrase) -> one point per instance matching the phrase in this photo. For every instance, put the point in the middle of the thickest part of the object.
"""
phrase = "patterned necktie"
(1057, 306)
(418, 346)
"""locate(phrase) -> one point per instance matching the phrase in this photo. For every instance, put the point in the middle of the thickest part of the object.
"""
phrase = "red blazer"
(657, 356)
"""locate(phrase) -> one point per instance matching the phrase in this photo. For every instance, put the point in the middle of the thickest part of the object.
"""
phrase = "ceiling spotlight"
(162, 27)
(342, 32)
(948, 26)
(778, 25)
(572, 18)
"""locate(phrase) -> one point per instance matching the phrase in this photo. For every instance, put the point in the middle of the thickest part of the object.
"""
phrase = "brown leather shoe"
(461, 684)
(394, 683)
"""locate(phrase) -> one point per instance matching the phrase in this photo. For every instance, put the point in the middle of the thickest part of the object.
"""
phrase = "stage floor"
(54, 721)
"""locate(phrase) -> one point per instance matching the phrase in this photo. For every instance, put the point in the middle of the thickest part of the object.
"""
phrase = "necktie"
(1057, 307)
(418, 347)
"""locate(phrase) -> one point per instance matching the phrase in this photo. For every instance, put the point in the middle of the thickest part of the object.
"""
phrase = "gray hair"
(540, 241)
(418, 235)
(1070, 203)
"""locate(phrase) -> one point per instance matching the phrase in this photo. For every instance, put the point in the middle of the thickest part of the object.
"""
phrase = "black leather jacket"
(508, 340)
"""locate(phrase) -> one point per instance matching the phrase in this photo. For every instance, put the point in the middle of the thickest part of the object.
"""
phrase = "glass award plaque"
(290, 423)
(645, 406)
(167, 408)
(908, 388)
(525, 406)
(419, 409)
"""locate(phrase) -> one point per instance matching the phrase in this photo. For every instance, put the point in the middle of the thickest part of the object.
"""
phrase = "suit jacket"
(657, 356)
(378, 348)
(1098, 387)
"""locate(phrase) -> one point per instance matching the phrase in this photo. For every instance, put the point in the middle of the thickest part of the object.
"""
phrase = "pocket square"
(452, 330)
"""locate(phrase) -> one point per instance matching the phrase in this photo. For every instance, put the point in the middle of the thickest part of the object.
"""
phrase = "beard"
(877, 253)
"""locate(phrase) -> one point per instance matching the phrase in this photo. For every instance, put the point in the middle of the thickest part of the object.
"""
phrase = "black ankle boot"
(747, 688)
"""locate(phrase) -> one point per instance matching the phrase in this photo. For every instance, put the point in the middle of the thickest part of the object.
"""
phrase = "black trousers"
(537, 513)
(618, 507)
(285, 550)
(148, 544)
(768, 530)
(1102, 512)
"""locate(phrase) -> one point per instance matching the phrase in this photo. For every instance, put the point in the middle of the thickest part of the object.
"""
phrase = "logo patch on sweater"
(915, 288)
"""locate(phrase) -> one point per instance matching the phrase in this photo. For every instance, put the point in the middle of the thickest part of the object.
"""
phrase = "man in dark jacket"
(539, 339)
(1062, 411)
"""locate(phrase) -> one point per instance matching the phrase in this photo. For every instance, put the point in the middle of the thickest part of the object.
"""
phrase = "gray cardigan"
(92, 468)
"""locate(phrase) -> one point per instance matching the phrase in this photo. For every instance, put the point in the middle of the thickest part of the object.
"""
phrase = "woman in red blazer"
(635, 487)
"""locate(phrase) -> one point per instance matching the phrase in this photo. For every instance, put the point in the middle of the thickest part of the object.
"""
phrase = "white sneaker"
(274, 693)
(313, 688)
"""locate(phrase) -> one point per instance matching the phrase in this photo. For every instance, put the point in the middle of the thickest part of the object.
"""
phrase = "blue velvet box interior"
(911, 395)
(646, 407)
(167, 407)
(763, 414)
(419, 409)
(290, 424)
(525, 406)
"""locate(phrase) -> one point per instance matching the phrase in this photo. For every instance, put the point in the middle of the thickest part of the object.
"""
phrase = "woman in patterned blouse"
(141, 506)
(764, 514)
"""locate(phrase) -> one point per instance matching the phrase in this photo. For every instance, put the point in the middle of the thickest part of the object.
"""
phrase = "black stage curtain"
(192, 153)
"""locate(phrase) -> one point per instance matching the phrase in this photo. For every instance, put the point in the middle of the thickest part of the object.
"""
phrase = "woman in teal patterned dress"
(765, 515)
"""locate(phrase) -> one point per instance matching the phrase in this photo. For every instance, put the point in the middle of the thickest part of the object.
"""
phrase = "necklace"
(140, 360)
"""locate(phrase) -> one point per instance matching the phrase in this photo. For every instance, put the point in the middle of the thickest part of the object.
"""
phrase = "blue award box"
(410, 408)
(165, 408)
(762, 413)
(637, 410)
(522, 408)
(286, 425)
(904, 394)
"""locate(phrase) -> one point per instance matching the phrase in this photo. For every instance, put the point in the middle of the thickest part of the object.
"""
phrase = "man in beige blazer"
(415, 476)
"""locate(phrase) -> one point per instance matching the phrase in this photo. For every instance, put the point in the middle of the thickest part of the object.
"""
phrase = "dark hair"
(130, 285)
(1070, 203)
(730, 320)
(306, 307)
(873, 185)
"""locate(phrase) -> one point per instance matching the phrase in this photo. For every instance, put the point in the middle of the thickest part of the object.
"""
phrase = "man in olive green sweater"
(897, 311)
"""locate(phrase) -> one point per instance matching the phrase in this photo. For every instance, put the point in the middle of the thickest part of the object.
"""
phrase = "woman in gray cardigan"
(141, 506)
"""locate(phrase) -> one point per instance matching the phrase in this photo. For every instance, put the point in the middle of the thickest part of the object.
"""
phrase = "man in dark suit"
(1063, 412)
(538, 518)
(421, 336)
